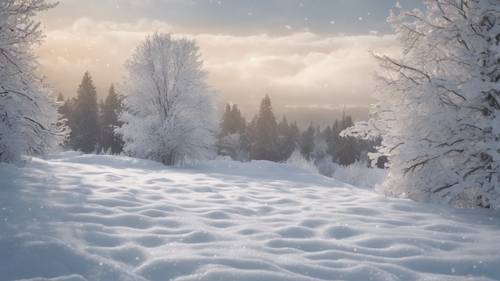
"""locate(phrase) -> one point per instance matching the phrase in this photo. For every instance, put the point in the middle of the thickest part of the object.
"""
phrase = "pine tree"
(233, 121)
(232, 140)
(307, 142)
(346, 149)
(288, 139)
(85, 132)
(240, 122)
(266, 142)
(226, 122)
(110, 110)
(320, 151)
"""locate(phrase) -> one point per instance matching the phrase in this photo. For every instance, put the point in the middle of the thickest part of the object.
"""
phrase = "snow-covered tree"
(439, 107)
(169, 111)
(28, 111)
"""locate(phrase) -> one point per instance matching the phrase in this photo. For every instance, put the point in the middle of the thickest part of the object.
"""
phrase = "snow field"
(74, 218)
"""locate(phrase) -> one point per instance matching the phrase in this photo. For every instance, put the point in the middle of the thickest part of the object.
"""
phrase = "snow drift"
(77, 218)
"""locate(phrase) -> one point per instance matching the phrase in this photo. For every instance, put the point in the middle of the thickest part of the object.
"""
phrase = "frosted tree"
(169, 111)
(28, 111)
(439, 105)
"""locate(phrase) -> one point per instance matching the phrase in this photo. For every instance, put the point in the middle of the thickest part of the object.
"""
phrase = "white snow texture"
(76, 218)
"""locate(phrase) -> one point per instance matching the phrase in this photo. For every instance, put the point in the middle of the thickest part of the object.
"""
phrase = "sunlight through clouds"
(298, 68)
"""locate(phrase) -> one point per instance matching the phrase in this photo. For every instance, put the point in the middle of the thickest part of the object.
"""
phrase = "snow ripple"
(75, 218)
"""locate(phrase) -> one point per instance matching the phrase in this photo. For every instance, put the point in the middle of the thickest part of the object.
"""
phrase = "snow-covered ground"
(110, 218)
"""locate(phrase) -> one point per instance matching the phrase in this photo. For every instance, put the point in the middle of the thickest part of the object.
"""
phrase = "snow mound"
(80, 217)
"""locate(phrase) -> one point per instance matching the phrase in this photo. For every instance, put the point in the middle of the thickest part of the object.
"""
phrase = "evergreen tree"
(226, 122)
(239, 122)
(265, 146)
(288, 138)
(232, 140)
(346, 150)
(307, 142)
(251, 133)
(85, 126)
(110, 110)
(320, 147)
(232, 121)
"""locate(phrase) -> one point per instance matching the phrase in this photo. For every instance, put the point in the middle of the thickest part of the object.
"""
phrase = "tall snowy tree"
(28, 111)
(169, 111)
(439, 109)
(85, 132)
(110, 110)
(265, 146)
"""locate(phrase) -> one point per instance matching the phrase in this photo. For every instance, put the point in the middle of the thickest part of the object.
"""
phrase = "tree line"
(93, 125)
(263, 138)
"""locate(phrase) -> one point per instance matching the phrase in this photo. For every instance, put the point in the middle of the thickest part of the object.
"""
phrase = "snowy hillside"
(114, 218)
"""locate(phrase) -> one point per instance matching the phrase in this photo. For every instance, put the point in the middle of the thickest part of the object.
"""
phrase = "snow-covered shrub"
(169, 111)
(358, 174)
(299, 161)
(438, 109)
(28, 111)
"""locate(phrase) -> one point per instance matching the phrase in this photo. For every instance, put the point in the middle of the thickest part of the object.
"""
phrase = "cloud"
(299, 68)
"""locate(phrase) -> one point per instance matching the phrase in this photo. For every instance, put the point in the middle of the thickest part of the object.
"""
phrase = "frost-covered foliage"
(169, 111)
(28, 112)
(358, 174)
(439, 107)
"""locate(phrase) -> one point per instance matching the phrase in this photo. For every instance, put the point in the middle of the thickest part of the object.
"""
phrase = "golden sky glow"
(297, 68)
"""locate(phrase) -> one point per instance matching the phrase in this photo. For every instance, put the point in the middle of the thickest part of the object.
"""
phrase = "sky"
(311, 54)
